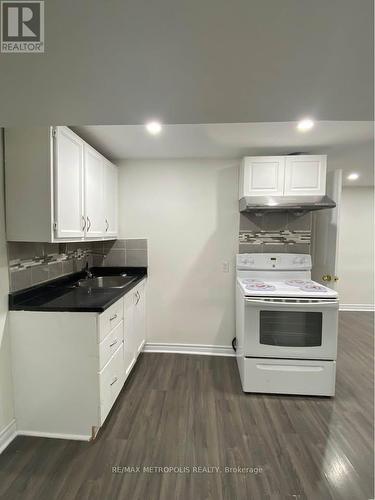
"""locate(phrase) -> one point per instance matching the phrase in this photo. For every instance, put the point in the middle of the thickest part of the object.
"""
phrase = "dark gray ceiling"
(194, 61)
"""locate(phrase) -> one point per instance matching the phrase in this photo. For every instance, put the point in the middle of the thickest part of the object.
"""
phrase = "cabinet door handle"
(84, 222)
(113, 317)
(138, 297)
(106, 225)
(113, 343)
(88, 223)
(114, 381)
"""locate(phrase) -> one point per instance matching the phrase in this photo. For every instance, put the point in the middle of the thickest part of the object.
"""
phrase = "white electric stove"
(286, 326)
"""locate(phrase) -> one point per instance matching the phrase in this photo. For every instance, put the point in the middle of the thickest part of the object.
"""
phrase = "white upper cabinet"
(305, 175)
(94, 191)
(58, 188)
(262, 176)
(68, 175)
(299, 175)
(110, 199)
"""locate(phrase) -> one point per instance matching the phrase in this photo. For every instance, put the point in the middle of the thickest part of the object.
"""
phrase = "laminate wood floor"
(189, 411)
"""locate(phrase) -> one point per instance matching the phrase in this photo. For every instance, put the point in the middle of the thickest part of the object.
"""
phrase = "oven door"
(291, 328)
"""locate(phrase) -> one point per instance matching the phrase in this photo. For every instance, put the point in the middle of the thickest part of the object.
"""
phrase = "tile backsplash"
(34, 263)
(129, 252)
(275, 232)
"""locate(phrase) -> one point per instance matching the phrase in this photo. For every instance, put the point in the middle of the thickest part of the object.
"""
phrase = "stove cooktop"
(253, 287)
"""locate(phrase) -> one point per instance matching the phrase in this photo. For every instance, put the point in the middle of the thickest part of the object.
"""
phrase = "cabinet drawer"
(110, 344)
(110, 318)
(111, 380)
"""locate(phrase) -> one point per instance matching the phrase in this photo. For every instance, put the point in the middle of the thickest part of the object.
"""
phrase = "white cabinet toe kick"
(69, 367)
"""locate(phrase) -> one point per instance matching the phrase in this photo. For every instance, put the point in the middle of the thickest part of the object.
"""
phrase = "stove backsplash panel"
(275, 233)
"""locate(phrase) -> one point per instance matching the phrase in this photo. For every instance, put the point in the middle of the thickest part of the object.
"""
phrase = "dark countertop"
(63, 295)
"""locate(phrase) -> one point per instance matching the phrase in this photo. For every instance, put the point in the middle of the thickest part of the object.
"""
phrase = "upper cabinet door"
(110, 199)
(68, 171)
(262, 176)
(94, 166)
(305, 175)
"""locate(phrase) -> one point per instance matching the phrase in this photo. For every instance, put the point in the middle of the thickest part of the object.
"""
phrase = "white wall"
(356, 246)
(6, 397)
(188, 209)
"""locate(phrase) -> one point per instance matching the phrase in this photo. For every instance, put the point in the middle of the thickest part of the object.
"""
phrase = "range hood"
(297, 204)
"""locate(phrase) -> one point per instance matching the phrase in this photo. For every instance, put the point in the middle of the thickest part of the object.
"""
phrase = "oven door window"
(291, 328)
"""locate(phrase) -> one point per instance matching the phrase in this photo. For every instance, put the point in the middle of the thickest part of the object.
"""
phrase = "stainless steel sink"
(106, 282)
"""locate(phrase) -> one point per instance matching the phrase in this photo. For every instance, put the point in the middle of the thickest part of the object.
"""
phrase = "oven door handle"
(271, 304)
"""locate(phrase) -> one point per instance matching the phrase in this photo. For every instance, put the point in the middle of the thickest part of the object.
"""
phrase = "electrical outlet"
(225, 266)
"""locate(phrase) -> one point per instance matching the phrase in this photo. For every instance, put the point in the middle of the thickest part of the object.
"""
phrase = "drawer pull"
(113, 343)
(113, 317)
(114, 381)
(290, 368)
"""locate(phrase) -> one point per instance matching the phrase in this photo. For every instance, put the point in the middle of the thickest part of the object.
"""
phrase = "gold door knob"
(327, 277)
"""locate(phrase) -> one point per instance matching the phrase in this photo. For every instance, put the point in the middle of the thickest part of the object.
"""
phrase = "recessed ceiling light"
(353, 177)
(153, 127)
(305, 125)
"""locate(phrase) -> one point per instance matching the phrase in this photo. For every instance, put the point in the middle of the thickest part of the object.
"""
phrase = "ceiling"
(211, 61)
(349, 145)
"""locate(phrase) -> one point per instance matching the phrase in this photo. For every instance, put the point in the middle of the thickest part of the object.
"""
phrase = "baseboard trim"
(7, 435)
(357, 307)
(75, 437)
(201, 349)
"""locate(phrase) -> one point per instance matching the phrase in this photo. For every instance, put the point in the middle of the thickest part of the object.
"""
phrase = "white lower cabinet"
(111, 344)
(69, 367)
(112, 378)
(135, 305)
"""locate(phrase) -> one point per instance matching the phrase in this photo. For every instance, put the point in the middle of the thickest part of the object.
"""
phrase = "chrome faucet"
(89, 274)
